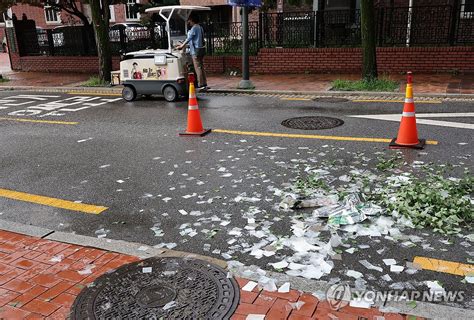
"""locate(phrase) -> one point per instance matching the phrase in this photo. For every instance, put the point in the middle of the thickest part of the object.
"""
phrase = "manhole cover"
(330, 100)
(312, 123)
(175, 288)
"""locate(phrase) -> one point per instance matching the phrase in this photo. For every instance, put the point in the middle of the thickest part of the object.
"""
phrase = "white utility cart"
(162, 71)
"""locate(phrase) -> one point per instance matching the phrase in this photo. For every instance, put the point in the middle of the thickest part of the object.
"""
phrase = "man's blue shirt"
(195, 39)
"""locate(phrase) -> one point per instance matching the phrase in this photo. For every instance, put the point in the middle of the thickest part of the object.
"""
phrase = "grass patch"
(95, 81)
(3, 79)
(385, 85)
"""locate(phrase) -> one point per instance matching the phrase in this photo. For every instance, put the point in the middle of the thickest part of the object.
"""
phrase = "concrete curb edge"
(109, 90)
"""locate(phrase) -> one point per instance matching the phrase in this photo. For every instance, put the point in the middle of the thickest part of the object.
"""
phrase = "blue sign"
(245, 3)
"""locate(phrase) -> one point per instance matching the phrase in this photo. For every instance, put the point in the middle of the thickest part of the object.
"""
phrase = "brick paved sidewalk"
(34, 284)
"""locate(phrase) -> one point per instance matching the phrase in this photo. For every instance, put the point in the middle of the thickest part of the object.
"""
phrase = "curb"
(422, 309)
(344, 93)
(118, 90)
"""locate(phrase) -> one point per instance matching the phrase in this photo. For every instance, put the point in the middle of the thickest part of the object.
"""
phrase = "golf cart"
(162, 71)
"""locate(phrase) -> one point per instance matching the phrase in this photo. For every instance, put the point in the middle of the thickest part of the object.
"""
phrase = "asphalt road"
(129, 158)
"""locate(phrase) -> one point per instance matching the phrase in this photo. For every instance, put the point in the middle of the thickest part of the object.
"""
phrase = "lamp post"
(245, 83)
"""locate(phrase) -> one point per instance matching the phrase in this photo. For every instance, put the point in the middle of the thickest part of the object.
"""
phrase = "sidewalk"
(424, 83)
(34, 284)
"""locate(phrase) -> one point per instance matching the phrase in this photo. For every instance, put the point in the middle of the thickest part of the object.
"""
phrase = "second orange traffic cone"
(194, 127)
(408, 134)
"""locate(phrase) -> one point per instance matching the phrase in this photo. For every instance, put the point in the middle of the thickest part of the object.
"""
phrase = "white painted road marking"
(44, 105)
(420, 119)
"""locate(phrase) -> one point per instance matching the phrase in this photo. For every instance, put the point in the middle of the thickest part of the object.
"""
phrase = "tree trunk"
(100, 21)
(369, 52)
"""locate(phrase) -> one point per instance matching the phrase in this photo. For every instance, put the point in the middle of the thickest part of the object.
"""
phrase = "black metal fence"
(226, 38)
(397, 26)
(440, 25)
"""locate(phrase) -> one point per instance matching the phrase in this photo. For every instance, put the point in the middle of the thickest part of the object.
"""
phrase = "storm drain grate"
(160, 288)
(330, 100)
(312, 123)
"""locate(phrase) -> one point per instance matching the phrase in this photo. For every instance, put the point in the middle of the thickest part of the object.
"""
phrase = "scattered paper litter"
(169, 305)
(170, 245)
(84, 140)
(396, 269)
(120, 181)
(361, 303)
(106, 306)
(279, 265)
(353, 274)
(469, 279)
(255, 317)
(389, 262)
(387, 278)
(58, 258)
(183, 212)
(297, 305)
(249, 286)
(370, 266)
(435, 287)
(101, 233)
(87, 269)
(285, 288)
(147, 269)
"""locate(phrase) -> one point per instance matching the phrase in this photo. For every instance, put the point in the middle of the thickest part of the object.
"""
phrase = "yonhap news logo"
(341, 295)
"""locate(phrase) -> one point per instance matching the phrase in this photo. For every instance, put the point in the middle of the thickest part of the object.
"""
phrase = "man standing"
(195, 42)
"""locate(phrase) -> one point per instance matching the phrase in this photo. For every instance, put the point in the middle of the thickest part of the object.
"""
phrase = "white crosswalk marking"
(421, 119)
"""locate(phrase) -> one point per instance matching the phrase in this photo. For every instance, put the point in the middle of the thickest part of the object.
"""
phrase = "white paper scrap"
(396, 269)
(169, 305)
(389, 262)
(279, 265)
(147, 269)
(285, 288)
(354, 274)
(249, 286)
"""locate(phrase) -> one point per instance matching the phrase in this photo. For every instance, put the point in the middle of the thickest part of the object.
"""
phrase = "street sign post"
(245, 83)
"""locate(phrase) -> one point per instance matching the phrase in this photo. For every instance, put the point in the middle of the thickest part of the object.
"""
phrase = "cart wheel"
(129, 93)
(170, 93)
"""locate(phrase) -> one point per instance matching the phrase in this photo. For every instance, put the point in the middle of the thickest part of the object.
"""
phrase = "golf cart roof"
(177, 8)
(167, 12)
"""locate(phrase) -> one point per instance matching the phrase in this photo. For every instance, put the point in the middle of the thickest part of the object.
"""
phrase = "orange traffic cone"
(408, 134)
(194, 127)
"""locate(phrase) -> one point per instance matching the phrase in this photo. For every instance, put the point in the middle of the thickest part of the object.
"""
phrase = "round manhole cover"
(312, 123)
(330, 100)
(160, 288)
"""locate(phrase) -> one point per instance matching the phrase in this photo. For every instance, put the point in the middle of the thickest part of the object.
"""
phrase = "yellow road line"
(310, 136)
(400, 101)
(296, 99)
(94, 93)
(51, 202)
(456, 268)
(39, 121)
